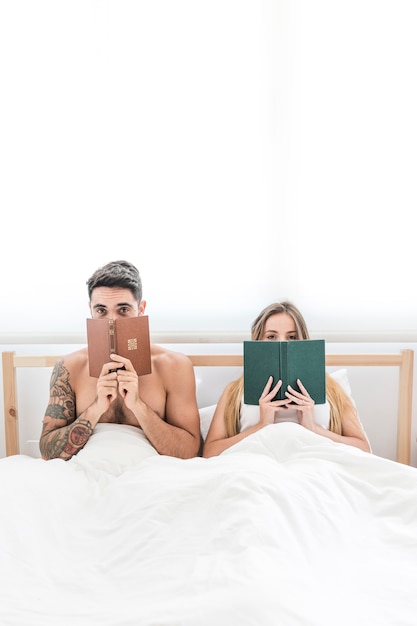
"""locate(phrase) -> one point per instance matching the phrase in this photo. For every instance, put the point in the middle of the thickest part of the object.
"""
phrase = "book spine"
(112, 337)
(283, 355)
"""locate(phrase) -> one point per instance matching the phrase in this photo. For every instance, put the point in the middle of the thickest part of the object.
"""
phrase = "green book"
(286, 361)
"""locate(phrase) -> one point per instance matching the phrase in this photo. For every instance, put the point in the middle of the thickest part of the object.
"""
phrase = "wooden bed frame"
(404, 360)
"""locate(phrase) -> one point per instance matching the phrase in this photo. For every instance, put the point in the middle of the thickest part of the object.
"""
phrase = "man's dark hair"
(117, 274)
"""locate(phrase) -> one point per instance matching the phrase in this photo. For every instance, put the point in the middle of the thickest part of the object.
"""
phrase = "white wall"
(238, 151)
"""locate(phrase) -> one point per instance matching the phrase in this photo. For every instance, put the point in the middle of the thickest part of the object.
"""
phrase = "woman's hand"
(268, 407)
(304, 404)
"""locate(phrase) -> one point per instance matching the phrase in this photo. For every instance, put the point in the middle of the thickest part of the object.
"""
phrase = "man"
(163, 404)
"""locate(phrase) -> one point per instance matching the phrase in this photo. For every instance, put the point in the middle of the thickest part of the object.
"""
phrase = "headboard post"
(405, 407)
(11, 418)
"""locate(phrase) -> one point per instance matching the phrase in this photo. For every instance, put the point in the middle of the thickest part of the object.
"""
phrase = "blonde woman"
(233, 420)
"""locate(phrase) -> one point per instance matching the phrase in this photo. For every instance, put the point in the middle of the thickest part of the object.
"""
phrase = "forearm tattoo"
(62, 396)
(62, 435)
(78, 435)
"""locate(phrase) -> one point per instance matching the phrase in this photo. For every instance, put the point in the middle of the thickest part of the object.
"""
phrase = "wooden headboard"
(404, 360)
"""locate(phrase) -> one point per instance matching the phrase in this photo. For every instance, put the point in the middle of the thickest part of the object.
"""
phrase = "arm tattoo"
(62, 395)
(78, 435)
(61, 434)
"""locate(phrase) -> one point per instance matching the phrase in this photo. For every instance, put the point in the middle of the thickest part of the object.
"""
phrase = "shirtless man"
(163, 404)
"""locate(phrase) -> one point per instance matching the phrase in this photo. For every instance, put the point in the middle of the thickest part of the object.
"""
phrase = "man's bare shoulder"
(75, 360)
(162, 357)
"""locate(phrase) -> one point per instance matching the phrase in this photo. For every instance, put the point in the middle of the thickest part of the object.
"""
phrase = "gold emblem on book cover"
(132, 344)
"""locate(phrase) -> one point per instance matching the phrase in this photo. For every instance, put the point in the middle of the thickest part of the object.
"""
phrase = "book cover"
(286, 361)
(128, 337)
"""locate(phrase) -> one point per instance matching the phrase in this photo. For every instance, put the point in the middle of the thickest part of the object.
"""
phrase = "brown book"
(127, 336)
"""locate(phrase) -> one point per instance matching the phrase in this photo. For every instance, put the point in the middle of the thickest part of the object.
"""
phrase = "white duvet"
(285, 528)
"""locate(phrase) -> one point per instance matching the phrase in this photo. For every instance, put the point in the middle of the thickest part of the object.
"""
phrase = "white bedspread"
(284, 529)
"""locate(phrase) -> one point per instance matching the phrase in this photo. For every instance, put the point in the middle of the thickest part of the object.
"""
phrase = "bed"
(284, 528)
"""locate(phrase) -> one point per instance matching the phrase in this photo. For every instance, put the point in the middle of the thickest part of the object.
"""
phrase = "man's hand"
(121, 379)
(127, 381)
(108, 384)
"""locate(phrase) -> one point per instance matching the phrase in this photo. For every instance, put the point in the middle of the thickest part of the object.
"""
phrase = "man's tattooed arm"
(62, 435)
(64, 442)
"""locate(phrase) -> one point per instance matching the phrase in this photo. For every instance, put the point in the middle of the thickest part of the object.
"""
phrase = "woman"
(233, 420)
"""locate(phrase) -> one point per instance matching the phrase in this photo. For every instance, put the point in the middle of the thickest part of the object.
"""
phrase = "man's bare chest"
(118, 413)
(151, 392)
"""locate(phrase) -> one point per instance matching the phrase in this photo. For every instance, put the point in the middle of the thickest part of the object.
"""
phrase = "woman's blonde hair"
(336, 396)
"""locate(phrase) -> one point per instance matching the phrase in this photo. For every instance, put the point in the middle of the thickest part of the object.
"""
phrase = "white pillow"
(341, 377)
(207, 412)
(112, 449)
